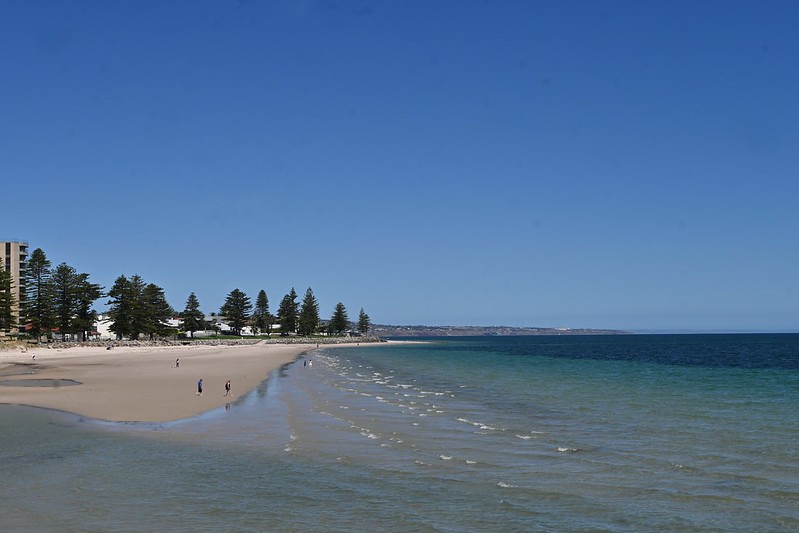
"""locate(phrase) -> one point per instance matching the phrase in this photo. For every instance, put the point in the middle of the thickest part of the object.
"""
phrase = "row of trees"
(52, 299)
(292, 317)
(139, 309)
(61, 299)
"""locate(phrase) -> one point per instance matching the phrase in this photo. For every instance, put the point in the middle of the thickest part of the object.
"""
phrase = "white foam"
(445, 457)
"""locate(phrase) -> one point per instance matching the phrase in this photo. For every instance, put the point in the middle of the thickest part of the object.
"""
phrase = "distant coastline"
(477, 331)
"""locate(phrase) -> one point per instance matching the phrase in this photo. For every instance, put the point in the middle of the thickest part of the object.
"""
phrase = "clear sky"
(627, 165)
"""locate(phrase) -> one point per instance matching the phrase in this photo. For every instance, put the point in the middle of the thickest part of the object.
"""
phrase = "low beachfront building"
(216, 325)
(103, 328)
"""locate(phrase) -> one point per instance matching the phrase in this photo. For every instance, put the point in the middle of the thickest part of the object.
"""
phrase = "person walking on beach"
(227, 388)
(200, 387)
(177, 362)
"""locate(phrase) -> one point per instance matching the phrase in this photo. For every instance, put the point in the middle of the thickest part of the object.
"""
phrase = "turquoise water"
(627, 433)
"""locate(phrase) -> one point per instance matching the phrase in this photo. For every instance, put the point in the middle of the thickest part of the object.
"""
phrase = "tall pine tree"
(261, 319)
(308, 320)
(85, 317)
(363, 322)
(65, 296)
(39, 299)
(139, 319)
(339, 322)
(192, 319)
(236, 309)
(121, 308)
(156, 311)
(287, 313)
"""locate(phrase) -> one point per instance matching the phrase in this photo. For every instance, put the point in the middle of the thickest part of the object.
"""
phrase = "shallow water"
(639, 433)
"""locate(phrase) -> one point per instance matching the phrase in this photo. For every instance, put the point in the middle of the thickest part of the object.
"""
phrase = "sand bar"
(139, 384)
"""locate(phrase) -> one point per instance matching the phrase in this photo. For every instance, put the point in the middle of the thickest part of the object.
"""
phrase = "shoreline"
(140, 384)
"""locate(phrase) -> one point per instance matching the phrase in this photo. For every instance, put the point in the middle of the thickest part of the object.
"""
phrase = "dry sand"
(140, 383)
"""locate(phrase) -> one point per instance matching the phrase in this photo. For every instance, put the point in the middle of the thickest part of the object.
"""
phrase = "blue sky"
(625, 165)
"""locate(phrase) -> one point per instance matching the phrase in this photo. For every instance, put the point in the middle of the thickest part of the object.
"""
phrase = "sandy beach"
(138, 383)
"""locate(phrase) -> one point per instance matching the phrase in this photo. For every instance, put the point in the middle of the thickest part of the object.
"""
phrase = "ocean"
(548, 433)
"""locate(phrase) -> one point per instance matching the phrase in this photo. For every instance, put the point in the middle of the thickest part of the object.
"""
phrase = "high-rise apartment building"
(14, 259)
